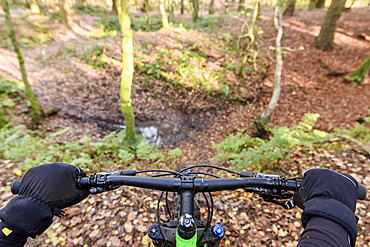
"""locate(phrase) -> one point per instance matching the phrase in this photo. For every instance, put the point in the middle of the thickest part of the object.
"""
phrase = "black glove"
(44, 191)
(331, 195)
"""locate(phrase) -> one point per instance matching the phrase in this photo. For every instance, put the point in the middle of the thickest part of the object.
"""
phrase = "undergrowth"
(243, 150)
(31, 148)
(10, 92)
(184, 68)
(109, 25)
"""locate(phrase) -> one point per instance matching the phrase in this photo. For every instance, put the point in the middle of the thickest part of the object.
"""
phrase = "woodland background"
(204, 73)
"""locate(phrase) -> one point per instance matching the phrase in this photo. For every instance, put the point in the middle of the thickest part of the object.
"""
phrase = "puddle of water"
(160, 132)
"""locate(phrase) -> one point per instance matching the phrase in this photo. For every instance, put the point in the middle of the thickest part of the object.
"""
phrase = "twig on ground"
(234, 230)
(351, 139)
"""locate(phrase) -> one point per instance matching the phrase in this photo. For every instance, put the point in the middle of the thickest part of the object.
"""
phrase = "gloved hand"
(331, 195)
(44, 191)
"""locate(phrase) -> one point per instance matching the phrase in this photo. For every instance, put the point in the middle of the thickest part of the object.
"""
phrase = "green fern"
(241, 150)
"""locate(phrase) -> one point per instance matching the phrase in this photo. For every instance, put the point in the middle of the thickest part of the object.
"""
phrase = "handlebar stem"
(187, 193)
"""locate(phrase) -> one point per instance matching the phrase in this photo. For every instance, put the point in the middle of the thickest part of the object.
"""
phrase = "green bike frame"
(180, 242)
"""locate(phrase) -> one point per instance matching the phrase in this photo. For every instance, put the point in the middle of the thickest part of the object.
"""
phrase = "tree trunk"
(127, 69)
(212, 7)
(289, 9)
(183, 6)
(241, 5)
(147, 6)
(252, 43)
(359, 75)
(65, 12)
(114, 7)
(316, 4)
(36, 114)
(325, 39)
(202, 10)
(195, 10)
(172, 9)
(35, 7)
(320, 4)
(263, 118)
(163, 14)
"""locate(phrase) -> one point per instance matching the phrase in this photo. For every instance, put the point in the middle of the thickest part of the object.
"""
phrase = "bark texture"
(195, 10)
(316, 4)
(326, 37)
(320, 4)
(114, 7)
(65, 13)
(36, 114)
(289, 9)
(212, 7)
(127, 69)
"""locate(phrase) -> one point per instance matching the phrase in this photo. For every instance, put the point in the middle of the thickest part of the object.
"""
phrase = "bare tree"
(127, 69)
(36, 113)
(264, 116)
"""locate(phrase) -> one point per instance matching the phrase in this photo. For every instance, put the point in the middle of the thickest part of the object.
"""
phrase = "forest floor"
(87, 101)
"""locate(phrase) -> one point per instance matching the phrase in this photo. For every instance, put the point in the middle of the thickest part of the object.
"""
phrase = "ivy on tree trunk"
(127, 69)
(36, 114)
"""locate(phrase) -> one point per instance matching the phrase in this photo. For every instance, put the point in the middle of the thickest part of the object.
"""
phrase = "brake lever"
(269, 195)
(285, 204)
(98, 190)
(99, 180)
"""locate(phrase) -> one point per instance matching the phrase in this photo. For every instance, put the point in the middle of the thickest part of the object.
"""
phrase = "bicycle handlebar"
(176, 184)
(247, 180)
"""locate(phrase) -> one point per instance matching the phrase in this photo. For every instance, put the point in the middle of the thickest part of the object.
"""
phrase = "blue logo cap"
(218, 230)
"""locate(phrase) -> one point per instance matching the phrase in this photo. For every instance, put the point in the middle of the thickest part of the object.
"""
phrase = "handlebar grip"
(361, 192)
(16, 184)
